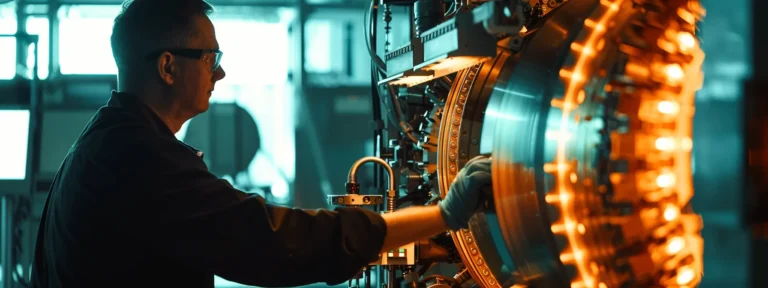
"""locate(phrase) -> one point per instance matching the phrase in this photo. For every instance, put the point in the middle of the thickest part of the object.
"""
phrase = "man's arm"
(202, 222)
(412, 224)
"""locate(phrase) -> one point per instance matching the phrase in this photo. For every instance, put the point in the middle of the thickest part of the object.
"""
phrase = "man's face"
(194, 79)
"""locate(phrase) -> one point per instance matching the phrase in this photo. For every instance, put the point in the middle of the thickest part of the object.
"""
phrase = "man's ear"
(166, 68)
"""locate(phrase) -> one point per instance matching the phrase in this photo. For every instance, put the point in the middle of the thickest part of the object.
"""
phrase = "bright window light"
(7, 44)
(14, 126)
(38, 26)
(84, 46)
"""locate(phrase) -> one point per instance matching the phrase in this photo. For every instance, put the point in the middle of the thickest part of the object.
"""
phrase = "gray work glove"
(466, 195)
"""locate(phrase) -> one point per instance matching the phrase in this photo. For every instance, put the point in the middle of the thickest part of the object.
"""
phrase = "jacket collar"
(131, 103)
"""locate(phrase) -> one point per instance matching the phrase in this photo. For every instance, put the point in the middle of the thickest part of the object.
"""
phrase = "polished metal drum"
(589, 125)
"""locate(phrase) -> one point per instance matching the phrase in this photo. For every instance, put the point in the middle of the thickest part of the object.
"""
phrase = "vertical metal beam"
(302, 11)
(300, 75)
(6, 226)
(21, 43)
(53, 41)
(756, 90)
(759, 42)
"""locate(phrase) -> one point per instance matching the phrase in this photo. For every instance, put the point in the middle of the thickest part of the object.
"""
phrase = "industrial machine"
(586, 107)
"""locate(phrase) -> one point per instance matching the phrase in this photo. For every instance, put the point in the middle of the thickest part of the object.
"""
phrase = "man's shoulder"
(111, 124)
(113, 132)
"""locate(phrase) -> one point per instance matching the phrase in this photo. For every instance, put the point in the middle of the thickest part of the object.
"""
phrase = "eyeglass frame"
(197, 54)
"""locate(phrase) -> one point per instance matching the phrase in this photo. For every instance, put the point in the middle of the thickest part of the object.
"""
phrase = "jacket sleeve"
(203, 221)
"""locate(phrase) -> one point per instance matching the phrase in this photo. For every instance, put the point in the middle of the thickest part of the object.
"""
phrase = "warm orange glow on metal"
(574, 80)
(439, 68)
(659, 107)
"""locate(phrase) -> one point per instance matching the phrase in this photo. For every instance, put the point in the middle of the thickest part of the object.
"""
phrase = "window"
(335, 48)
(7, 44)
(39, 26)
(13, 148)
(84, 46)
(321, 57)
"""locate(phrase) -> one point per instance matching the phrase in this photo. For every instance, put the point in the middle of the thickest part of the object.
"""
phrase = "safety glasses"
(211, 56)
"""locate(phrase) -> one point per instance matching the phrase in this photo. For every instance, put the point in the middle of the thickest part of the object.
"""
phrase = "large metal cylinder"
(590, 130)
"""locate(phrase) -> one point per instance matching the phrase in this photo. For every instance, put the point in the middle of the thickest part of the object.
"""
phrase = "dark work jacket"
(131, 206)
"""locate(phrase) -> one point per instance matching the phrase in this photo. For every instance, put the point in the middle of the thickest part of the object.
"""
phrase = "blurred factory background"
(294, 111)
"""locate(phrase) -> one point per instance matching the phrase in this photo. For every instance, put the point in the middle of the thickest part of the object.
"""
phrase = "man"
(131, 206)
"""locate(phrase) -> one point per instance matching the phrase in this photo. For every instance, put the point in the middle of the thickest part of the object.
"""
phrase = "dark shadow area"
(229, 138)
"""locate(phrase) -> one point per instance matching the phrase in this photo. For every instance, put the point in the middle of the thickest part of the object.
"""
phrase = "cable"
(379, 64)
(404, 126)
(368, 32)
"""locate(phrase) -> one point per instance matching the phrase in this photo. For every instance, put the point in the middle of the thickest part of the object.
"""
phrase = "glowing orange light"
(600, 28)
(686, 41)
(686, 15)
(685, 275)
(567, 257)
(671, 212)
(574, 88)
(675, 245)
(666, 180)
(665, 143)
(674, 73)
(555, 167)
(578, 284)
(568, 226)
(668, 107)
(590, 23)
(686, 144)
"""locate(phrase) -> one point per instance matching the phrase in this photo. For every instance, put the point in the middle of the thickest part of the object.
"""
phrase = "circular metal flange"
(560, 164)
(465, 133)
(455, 134)
(615, 146)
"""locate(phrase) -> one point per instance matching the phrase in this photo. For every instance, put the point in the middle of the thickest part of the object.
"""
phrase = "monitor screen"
(14, 132)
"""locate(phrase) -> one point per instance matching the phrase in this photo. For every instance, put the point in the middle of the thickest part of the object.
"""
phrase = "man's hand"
(465, 196)
(464, 199)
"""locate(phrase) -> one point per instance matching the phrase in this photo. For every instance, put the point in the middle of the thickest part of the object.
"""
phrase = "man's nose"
(219, 74)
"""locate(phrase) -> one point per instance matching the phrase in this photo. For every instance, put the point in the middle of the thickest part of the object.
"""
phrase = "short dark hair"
(146, 25)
